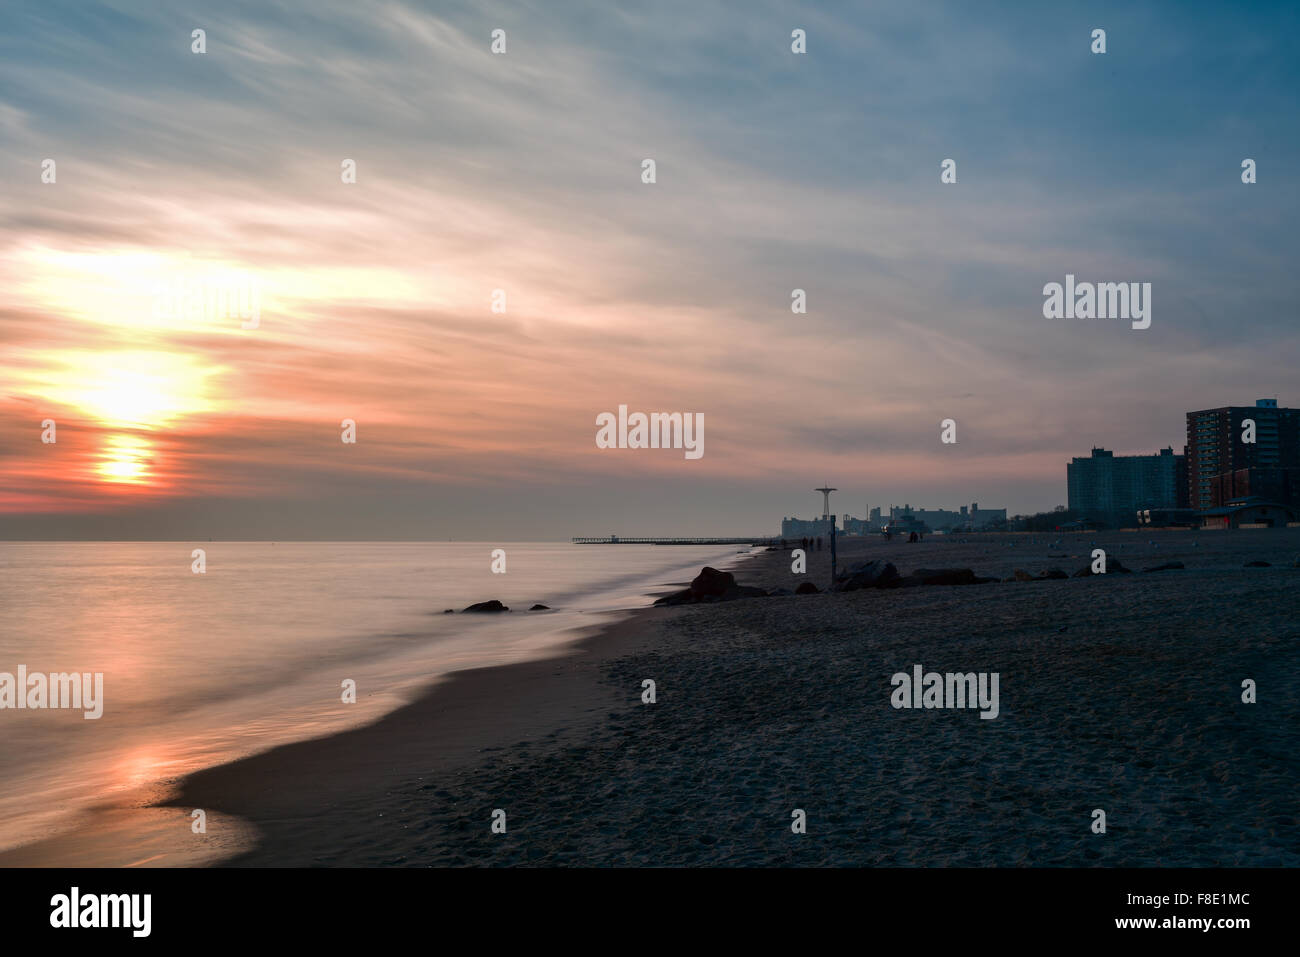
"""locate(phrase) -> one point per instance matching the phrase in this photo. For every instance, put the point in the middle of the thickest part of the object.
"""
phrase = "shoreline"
(150, 824)
(450, 725)
(1118, 691)
(772, 704)
(286, 793)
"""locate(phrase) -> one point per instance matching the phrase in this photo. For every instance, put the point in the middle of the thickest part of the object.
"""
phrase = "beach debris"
(487, 606)
(540, 607)
(872, 574)
(807, 588)
(1257, 564)
(1167, 566)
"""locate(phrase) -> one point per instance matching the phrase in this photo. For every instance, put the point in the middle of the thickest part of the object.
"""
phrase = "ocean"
(200, 669)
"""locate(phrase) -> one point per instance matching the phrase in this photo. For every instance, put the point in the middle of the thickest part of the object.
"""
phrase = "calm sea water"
(201, 669)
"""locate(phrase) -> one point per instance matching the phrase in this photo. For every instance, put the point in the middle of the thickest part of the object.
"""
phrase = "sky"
(521, 171)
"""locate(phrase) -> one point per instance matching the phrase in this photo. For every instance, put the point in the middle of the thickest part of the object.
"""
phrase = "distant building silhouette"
(805, 527)
(1111, 489)
(944, 519)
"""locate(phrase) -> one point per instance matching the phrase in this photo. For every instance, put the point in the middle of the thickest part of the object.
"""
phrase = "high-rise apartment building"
(1110, 488)
(1219, 441)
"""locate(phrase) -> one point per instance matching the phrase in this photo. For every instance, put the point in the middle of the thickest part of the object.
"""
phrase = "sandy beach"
(1119, 692)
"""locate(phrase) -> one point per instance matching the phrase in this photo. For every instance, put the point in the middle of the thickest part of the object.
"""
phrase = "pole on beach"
(832, 585)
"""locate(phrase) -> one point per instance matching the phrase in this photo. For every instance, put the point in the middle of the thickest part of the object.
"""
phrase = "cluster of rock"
(1113, 567)
(712, 585)
(882, 574)
(487, 607)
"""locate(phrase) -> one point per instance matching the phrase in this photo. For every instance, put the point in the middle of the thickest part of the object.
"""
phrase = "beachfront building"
(858, 526)
(1251, 512)
(1215, 446)
(905, 524)
(1111, 489)
(807, 528)
(942, 519)
(1273, 485)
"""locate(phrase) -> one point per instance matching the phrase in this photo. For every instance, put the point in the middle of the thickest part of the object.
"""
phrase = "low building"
(858, 526)
(1168, 517)
(1273, 484)
(905, 524)
(807, 528)
(1251, 512)
(962, 519)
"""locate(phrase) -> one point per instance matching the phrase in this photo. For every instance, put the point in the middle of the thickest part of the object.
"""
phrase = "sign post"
(832, 585)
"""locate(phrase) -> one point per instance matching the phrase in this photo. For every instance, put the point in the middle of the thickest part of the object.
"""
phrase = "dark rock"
(873, 574)
(1258, 564)
(449, 611)
(1022, 576)
(1166, 567)
(710, 581)
(777, 592)
(1051, 573)
(540, 607)
(487, 606)
(807, 588)
(712, 585)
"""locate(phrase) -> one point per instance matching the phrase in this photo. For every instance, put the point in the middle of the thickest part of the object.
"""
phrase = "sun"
(132, 398)
(125, 459)
(130, 389)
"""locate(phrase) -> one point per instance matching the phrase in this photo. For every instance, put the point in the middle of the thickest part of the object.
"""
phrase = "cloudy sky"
(523, 172)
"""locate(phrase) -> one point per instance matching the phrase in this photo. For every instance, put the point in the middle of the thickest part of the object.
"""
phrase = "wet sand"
(1119, 692)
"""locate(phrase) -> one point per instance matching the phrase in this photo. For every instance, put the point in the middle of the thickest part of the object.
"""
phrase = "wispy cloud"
(522, 172)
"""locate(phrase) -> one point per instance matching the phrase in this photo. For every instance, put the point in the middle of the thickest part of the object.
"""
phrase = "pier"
(620, 540)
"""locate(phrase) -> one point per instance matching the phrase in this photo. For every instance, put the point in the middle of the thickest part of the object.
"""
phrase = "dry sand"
(1120, 692)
